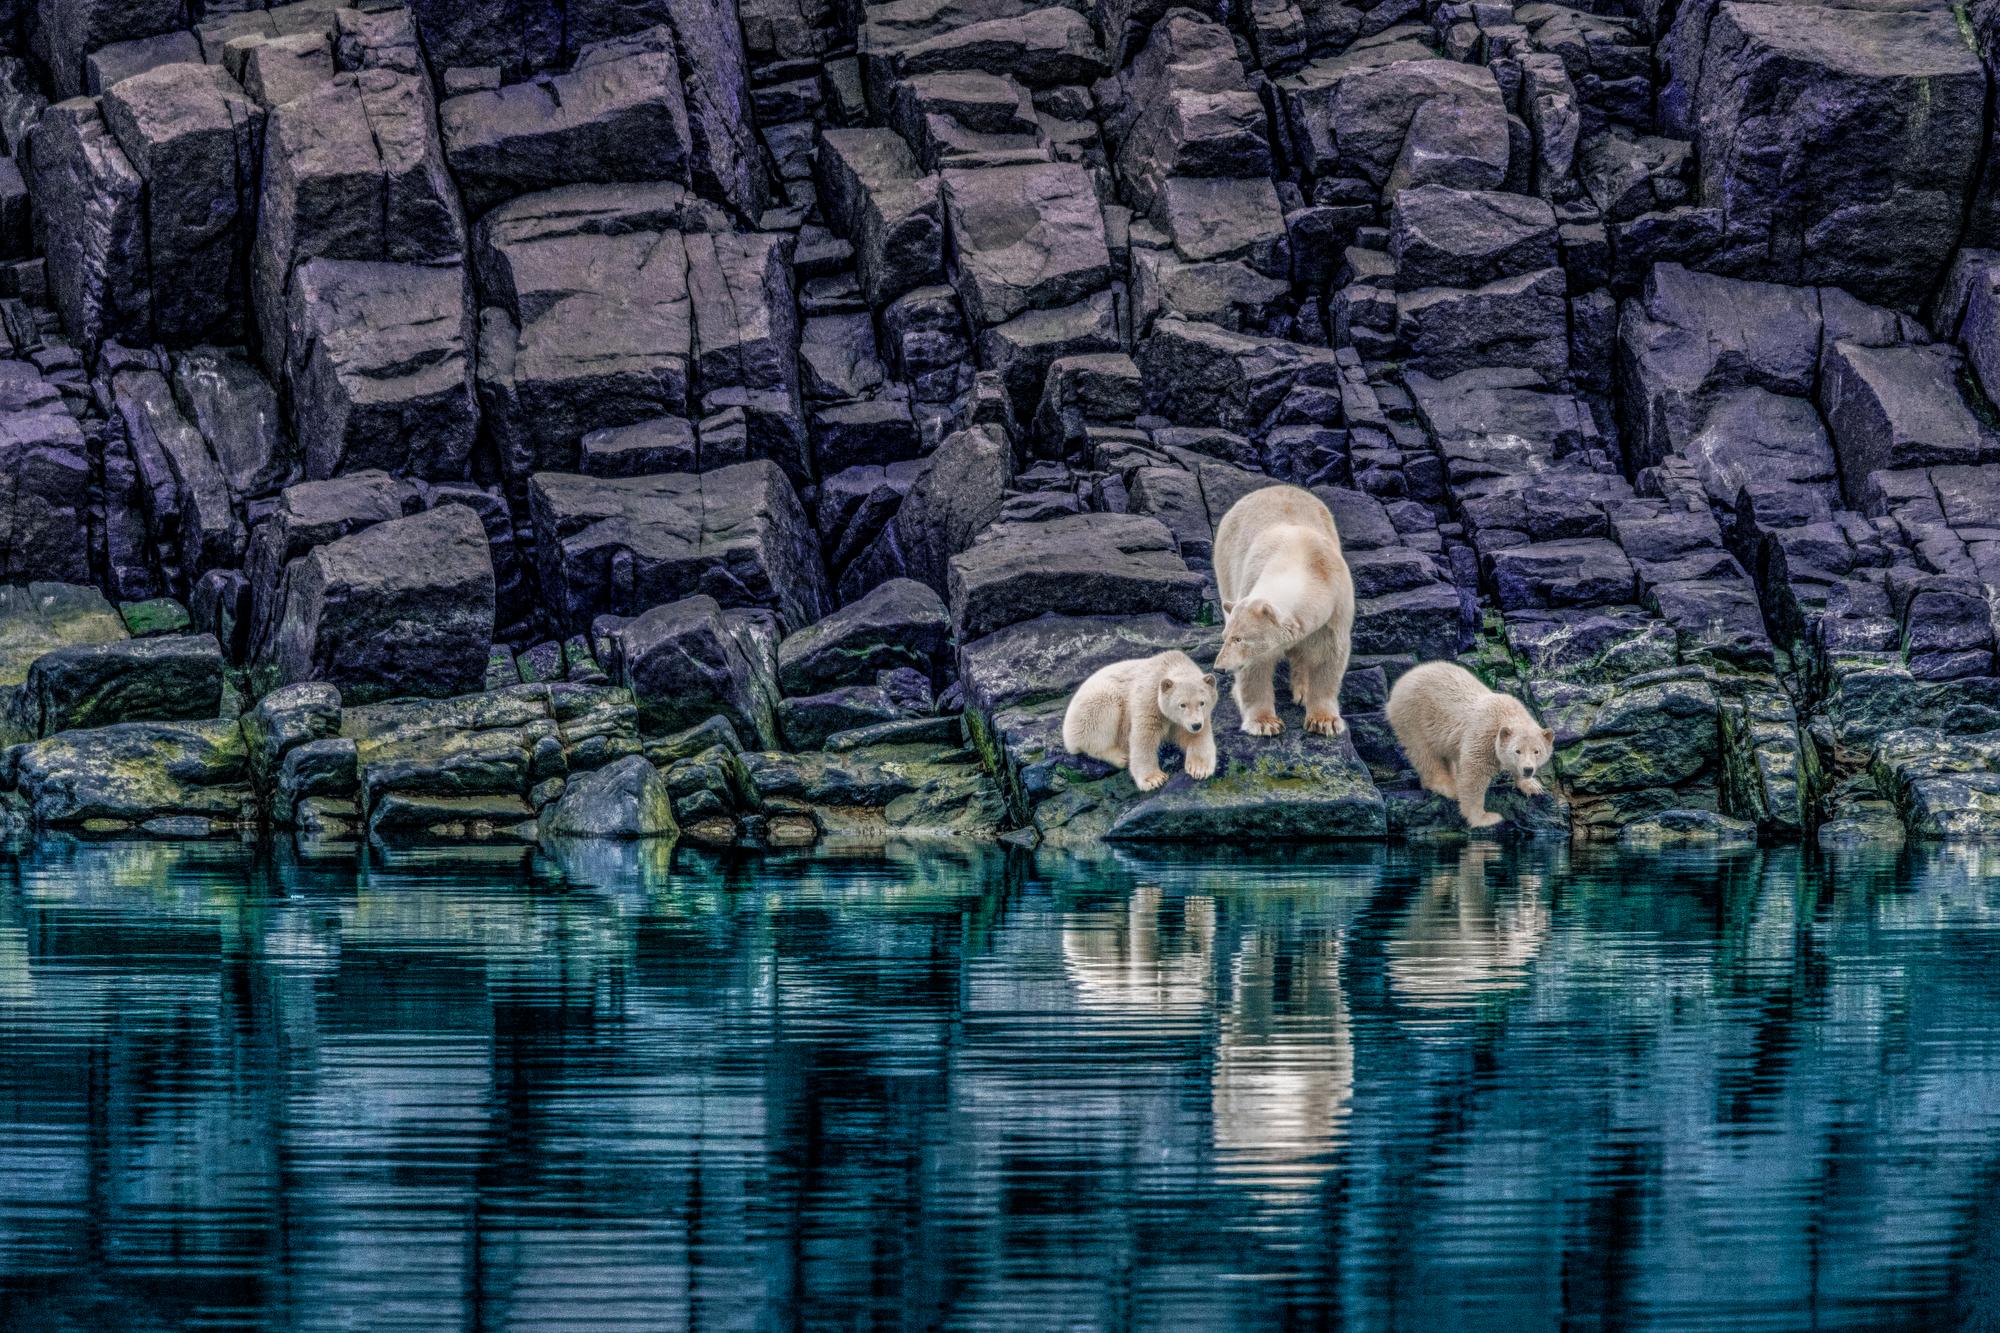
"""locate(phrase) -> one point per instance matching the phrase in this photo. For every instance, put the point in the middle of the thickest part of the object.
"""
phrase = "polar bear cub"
(1286, 593)
(1458, 734)
(1124, 711)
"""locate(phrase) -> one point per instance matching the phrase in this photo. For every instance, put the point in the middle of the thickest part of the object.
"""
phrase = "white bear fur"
(1125, 711)
(1286, 594)
(1458, 735)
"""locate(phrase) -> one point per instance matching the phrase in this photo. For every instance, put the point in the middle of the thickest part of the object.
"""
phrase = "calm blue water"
(617, 1089)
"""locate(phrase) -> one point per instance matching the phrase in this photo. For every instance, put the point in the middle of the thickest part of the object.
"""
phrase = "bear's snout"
(1194, 728)
(1527, 770)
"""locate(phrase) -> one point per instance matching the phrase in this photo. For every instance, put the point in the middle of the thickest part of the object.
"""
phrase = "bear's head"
(1187, 697)
(1523, 751)
(1255, 631)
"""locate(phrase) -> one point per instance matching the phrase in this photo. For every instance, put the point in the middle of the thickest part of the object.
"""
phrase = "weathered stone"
(1463, 238)
(954, 498)
(195, 139)
(173, 678)
(1897, 407)
(617, 116)
(91, 202)
(626, 799)
(902, 623)
(690, 660)
(136, 771)
(878, 197)
(401, 608)
(381, 369)
(1024, 238)
(236, 411)
(1095, 564)
(736, 534)
(188, 497)
(44, 482)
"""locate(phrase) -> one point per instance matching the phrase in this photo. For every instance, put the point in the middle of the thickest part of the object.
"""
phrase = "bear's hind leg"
(1435, 775)
(1256, 699)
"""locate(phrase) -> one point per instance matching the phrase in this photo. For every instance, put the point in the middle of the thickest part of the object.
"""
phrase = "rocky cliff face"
(807, 397)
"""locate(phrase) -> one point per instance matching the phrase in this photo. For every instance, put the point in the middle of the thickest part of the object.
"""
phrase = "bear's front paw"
(1200, 766)
(1262, 724)
(1150, 781)
(1484, 819)
(1325, 724)
(1531, 787)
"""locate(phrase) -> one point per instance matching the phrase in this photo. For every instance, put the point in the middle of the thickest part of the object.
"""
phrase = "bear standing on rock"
(1124, 711)
(1458, 734)
(1286, 593)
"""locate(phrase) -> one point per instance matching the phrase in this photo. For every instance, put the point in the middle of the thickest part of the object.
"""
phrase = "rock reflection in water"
(599, 1087)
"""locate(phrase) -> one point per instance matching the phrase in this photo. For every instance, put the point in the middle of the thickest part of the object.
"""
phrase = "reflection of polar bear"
(1458, 946)
(1283, 1080)
(1124, 711)
(1121, 966)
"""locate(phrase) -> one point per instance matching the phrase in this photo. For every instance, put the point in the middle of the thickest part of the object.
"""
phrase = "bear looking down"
(1458, 734)
(1124, 711)
(1286, 593)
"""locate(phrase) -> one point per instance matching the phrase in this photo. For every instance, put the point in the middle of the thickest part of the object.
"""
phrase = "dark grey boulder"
(404, 607)
(91, 205)
(959, 492)
(131, 772)
(63, 32)
(626, 799)
(880, 199)
(1578, 572)
(1024, 238)
(381, 375)
(187, 495)
(645, 448)
(1092, 564)
(690, 660)
(736, 534)
(172, 678)
(195, 139)
(902, 623)
(618, 115)
(236, 410)
(44, 481)
(1442, 237)
(286, 718)
(1898, 407)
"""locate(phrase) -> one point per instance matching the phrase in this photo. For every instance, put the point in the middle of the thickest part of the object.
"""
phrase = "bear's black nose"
(1528, 772)
(1195, 727)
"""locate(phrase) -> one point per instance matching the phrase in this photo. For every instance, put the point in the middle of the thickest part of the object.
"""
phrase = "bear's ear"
(1506, 733)
(1209, 680)
(1257, 609)
(1292, 625)
(1228, 606)
(1166, 687)
(1548, 737)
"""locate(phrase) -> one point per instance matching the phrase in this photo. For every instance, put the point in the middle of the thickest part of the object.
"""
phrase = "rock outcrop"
(557, 418)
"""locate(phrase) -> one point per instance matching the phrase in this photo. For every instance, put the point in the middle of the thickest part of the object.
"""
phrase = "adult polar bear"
(1286, 593)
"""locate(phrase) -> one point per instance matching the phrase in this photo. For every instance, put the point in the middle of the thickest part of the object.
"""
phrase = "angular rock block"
(135, 772)
(187, 496)
(92, 206)
(1043, 48)
(1024, 238)
(1442, 237)
(590, 331)
(1088, 564)
(64, 32)
(1897, 407)
(237, 412)
(353, 170)
(1354, 115)
(746, 326)
(1199, 375)
(1521, 321)
(1184, 108)
(1577, 572)
(902, 623)
(172, 678)
(44, 482)
(617, 116)
(196, 140)
(736, 534)
(957, 495)
(626, 799)
(310, 514)
(690, 660)
(1773, 96)
(401, 608)
(878, 197)
(381, 368)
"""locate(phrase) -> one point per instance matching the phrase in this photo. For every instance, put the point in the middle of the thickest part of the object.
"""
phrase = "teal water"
(618, 1089)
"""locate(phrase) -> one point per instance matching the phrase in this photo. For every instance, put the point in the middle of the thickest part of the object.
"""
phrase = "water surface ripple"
(617, 1088)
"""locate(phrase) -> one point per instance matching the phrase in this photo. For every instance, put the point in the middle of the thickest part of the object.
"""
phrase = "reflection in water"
(604, 1087)
(1464, 940)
